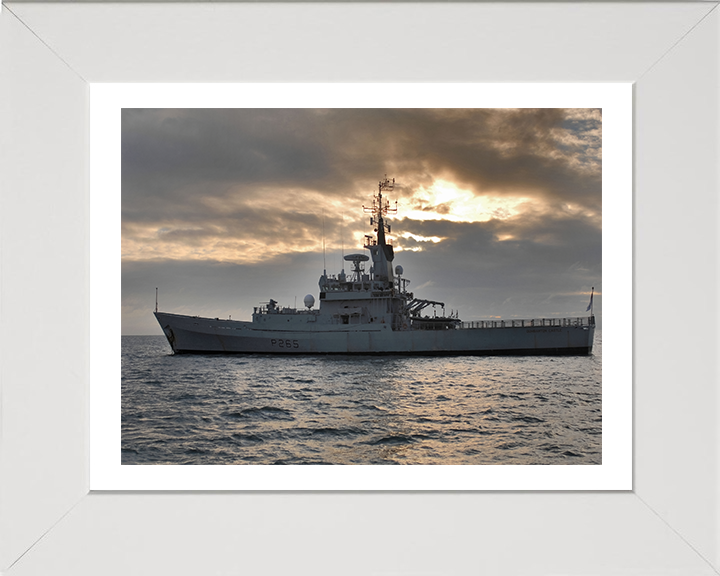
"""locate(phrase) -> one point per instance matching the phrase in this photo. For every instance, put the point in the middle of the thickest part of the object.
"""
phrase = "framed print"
(408, 437)
(51, 520)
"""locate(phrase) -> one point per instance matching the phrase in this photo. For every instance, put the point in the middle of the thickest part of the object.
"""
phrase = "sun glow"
(445, 201)
(418, 238)
(149, 242)
(251, 228)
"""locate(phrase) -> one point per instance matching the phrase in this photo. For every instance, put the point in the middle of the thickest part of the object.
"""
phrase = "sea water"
(262, 409)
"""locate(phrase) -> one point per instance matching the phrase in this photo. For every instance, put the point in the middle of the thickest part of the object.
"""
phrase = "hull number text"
(284, 343)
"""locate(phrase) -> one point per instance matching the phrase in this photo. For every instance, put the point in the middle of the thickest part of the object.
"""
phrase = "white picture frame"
(107, 472)
(668, 523)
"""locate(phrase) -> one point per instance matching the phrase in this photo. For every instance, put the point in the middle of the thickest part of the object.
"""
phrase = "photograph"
(372, 286)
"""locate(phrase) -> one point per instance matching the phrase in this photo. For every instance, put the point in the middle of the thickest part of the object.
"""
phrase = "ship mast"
(381, 251)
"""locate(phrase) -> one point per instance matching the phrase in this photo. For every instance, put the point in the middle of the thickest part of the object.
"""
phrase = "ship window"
(345, 319)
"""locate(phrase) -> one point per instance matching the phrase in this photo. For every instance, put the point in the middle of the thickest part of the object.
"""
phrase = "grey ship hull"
(196, 335)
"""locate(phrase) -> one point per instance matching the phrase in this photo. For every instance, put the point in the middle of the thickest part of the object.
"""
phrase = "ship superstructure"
(370, 311)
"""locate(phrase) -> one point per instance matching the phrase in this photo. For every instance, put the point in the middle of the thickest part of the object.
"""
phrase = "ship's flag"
(591, 301)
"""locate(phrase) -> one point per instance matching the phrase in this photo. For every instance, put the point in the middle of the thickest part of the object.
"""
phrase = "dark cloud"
(472, 258)
(171, 155)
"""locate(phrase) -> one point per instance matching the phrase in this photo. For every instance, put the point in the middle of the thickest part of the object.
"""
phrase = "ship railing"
(531, 323)
(283, 310)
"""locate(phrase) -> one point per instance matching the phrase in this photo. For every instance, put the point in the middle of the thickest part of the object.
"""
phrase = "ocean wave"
(344, 410)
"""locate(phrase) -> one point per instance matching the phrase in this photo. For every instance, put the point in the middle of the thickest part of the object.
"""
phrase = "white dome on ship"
(309, 301)
(398, 270)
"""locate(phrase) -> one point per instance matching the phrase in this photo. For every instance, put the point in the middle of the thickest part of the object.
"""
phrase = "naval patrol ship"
(372, 312)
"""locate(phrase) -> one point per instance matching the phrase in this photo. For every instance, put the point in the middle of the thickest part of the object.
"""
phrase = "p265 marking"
(284, 343)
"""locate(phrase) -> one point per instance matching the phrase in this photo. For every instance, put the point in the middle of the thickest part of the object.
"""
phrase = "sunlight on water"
(358, 410)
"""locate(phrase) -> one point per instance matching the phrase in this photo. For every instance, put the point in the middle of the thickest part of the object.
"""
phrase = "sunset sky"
(499, 210)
